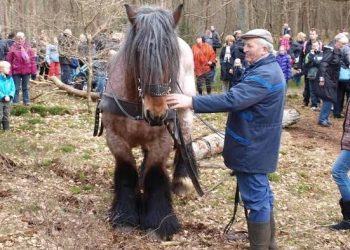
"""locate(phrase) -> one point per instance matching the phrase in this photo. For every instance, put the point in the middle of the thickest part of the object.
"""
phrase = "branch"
(73, 91)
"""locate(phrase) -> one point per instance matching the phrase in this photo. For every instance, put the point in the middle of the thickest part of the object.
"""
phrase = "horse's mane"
(151, 50)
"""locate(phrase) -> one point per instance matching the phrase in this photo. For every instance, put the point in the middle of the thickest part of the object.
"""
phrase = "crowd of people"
(255, 78)
(305, 57)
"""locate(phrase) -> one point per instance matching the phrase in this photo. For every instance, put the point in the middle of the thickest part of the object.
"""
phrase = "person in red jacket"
(23, 65)
(204, 57)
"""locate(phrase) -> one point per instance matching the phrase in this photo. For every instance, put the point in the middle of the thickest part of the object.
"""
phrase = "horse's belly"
(133, 132)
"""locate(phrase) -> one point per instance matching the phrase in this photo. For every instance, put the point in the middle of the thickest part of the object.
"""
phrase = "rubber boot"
(259, 235)
(273, 244)
(345, 210)
(5, 125)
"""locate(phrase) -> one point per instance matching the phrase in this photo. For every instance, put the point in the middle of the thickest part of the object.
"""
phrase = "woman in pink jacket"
(23, 66)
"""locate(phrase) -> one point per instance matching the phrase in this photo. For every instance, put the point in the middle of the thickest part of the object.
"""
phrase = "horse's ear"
(177, 14)
(130, 12)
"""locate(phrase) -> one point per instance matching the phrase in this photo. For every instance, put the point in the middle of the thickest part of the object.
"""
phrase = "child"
(52, 58)
(237, 72)
(7, 92)
(284, 60)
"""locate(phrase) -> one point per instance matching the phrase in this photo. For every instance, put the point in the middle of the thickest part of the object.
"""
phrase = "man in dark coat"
(5, 45)
(309, 92)
(328, 77)
(253, 131)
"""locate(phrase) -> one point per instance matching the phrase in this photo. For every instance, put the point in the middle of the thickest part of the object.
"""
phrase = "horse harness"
(109, 102)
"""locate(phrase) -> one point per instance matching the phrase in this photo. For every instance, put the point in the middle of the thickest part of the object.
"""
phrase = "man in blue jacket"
(253, 131)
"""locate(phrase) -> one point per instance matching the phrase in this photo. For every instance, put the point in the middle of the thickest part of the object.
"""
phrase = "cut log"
(71, 90)
(213, 144)
(290, 117)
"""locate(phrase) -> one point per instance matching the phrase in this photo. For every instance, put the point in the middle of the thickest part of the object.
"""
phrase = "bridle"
(153, 89)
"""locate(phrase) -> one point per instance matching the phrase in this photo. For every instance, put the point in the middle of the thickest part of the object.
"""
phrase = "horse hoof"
(182, 186)
(118, 220)
(154, 236)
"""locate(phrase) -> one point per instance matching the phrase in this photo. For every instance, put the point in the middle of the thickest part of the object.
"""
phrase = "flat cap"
(258, 33)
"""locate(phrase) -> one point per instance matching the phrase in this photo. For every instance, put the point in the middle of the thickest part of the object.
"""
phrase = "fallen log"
(213, 144)
(71, 90)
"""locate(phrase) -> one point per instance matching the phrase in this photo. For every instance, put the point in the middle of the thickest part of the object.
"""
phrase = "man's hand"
(6, 98)
(178, 101)
(321, 81)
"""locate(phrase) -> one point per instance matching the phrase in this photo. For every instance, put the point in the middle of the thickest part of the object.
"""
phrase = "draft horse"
(152, 62)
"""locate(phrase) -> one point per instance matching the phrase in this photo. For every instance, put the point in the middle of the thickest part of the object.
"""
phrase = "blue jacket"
(7, 87)
(254, 124)
(285, 63)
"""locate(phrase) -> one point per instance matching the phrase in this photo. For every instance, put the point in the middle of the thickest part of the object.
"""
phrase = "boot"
(273, 244)
(5, 125)
(259, 235)
(345, 210)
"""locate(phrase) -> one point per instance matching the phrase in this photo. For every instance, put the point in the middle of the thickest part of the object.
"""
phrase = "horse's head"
(152, 58)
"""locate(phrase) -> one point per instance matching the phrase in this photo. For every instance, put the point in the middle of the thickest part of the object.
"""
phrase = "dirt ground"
(56, 186)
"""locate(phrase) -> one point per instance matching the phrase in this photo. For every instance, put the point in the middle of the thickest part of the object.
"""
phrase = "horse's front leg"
(125, 206)
(182, 184)
(157, 211)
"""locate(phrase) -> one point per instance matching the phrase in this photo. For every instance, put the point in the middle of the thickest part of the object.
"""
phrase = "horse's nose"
(155, 120)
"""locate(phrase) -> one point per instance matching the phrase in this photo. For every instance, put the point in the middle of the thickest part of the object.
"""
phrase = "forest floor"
(58, 189)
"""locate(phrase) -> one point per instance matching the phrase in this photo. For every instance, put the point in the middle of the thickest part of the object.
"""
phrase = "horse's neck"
(117, 81)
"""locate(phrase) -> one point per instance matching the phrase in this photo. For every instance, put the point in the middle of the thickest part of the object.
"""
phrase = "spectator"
(237, 72)
(41, 53)
(83, 48)
(208, 38)
(238, 51)
(286, 42)
(308, 91)
(340, 173)
(66, 51)
(7, 92)
(343, 86)
(22, 59)
(253, 132)
(284, 61)
(52, 58)
(204, 57)
(328, 77)
(295, 51)
(286, 30)
(312, 64)
(226, 62)
(216, 38)
(5, 45)
(100, 41)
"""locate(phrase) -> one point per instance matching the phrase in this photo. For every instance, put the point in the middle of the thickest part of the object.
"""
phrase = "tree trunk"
(73, 91)
(213, 144)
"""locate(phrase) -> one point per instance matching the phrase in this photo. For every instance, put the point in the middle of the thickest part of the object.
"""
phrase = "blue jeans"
(325, 111)
(256, 195)
(340, 170)
(21, 82)
(101, 83)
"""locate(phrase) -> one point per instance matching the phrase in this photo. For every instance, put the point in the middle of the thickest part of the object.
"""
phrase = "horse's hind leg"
(157, 212)
(182, 184)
